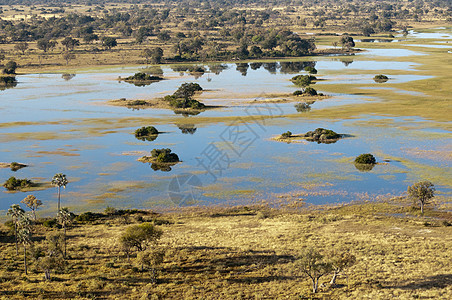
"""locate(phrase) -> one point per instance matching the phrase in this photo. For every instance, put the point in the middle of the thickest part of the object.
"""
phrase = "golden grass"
(240, 252)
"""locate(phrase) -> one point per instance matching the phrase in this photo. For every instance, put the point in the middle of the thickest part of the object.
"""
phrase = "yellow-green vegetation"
(385, 249)
(319, 135)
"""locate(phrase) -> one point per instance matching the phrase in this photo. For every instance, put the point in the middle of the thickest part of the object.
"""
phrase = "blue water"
(72, 117)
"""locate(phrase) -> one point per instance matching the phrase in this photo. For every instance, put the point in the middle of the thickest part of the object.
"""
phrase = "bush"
(287, 134)
(310, 91)
(137, 102)
(311, 70)
(322, 135)
(10, 67)
(303, 80)
(16, 184)
(297, 93)
(88, 217)
(143, 77)
(365, 159)
(380, 78)
(164, 155)
(146, 131)
(50, 223)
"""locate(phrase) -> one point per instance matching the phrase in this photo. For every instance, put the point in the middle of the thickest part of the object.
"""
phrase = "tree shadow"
(440, 281)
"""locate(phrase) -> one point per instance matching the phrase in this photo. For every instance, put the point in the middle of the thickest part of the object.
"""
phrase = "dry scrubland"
(249, 253)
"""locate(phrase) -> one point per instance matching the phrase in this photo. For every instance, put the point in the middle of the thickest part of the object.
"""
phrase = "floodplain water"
(63, 124)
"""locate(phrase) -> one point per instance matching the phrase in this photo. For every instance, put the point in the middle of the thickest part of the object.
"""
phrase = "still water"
(62, 124)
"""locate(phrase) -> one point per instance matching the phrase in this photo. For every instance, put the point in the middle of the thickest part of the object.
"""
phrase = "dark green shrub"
(137, 102)
(287, 134)
(311, 70)
(15, 184)
(380, 78)
(146, 131)
(322, 135)
(303, 80)
(143, 77)
(88, 217)
(366, 158)
(10, 67)
(310, 91)
(297, 93)
(164, 155)
(50, 223)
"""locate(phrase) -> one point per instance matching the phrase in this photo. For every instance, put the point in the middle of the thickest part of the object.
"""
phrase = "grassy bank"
(247, 253)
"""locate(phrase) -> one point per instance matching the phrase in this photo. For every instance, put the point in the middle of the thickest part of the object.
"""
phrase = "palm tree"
(59, 180)
(65, 217)
(32, 203)
(16, 212)
(24, 236)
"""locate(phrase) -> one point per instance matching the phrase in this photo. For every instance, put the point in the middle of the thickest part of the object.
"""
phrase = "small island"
(380, 78)
(141, 79)
(320, 135)
(146, 133)
(181, 101)
(14, 166)
(161, 159)
(365, 162)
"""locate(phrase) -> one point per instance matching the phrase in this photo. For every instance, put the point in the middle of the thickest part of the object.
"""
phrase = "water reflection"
(364, 167)
(161, 167)
(217, 68)
(346, 62)
(7, 82)
(242, 68)
(187, 128)
(303, 107)
(67, 76)
(148, 138)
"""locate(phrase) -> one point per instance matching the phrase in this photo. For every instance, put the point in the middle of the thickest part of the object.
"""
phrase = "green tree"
(22, 47)
(16, 213)
(70, 43)
(65, 217)
(59, 180)
(347, 42)
(32, 203)
(109, 42)
(139, 237)
(24, 236)
(10, 68)
(422, 192)
(186, 92)
(45, 44)
(313, 264)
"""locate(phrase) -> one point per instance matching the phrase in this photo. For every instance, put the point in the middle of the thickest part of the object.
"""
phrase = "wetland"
(55, 123)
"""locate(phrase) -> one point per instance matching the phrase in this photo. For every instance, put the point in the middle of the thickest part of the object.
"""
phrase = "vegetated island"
(146, 133)
(14, 166)
(365, 162)
(320, 135)
(161, 159)
(141, 79)
(14, 184)
(181, 101)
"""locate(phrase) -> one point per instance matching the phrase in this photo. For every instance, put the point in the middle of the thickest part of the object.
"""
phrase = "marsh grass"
(249, 252)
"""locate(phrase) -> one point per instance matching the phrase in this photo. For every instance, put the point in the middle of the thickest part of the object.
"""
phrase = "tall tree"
(32, 203)
(16, 213)
(24, 236)
(45, 44)
(65, 217)
(59, 180)
(422, 192)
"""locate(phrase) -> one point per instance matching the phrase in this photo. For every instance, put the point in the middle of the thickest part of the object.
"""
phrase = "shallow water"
(73, 131)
